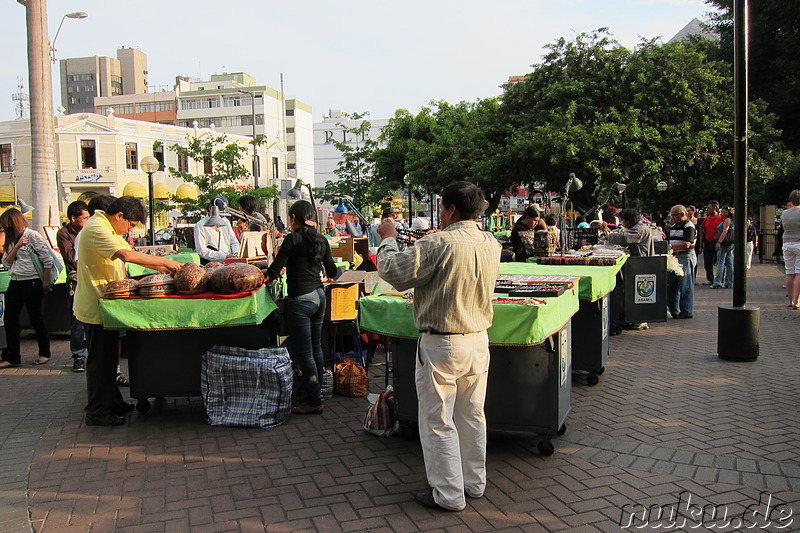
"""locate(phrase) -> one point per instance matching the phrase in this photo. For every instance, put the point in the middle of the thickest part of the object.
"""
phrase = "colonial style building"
(98, 154)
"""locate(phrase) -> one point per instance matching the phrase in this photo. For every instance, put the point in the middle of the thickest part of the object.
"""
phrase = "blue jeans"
(77, 337)
(724, 265)
(680, 289)
(305, 314)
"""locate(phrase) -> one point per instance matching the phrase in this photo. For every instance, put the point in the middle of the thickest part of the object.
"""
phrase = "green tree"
(659, 112)
(445, 143)
(773, 61)
(223, 166)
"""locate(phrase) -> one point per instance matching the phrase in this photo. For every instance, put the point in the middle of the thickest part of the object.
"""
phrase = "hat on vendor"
(220, 201)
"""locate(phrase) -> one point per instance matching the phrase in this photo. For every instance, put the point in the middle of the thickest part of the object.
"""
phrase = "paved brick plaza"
(668, 417)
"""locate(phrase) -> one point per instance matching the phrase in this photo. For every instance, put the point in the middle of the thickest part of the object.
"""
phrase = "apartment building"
(85, 78)
(233, 103)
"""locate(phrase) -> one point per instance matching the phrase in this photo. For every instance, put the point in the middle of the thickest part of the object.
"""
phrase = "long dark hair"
(303, 213)
(14, 224)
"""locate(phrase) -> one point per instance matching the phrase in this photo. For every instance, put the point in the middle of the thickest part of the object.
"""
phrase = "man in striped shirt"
(453, 273)
(680, 289)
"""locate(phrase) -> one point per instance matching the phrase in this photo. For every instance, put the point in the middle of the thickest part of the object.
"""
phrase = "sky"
(372, 56)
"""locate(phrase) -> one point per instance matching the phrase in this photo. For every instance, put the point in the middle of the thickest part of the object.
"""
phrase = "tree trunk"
(43, 165)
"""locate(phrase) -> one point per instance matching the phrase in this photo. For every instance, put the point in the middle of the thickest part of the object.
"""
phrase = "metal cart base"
(529, 389)
(590, 338)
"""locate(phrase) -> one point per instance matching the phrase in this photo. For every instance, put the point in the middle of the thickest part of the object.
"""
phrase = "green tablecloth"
(595, 282)
(513, 325)
(5, 278)
(185, 313)
(138, 270)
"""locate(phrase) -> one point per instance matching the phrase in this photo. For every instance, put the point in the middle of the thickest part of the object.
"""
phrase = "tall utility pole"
(43, 165)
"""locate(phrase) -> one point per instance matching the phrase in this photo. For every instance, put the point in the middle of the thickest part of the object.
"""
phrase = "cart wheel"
(600, 372)
(546, 448)
(562, 430)
(592, 379)
(408, 431)
(143, 406)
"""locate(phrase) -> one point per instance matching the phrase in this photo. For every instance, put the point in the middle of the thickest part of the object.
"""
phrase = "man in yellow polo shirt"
(102, 254)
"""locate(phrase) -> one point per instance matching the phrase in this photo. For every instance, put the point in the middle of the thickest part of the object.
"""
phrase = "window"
(275, 168)
(291, 166)
(236, 101)
(131, 156)
(289, 130)
(158, 153)
(6, 162)
(200, 103)
(183, 163)
(88, 154)
(208, 165)
(123, 109)
(290, 148)
(290, 112)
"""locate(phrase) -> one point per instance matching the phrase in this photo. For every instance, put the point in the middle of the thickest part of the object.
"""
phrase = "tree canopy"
(660, 112)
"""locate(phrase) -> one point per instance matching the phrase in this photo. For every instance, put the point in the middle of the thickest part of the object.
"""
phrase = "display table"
(135, 270)
(529, 386)
(167, 338)
(592, 323)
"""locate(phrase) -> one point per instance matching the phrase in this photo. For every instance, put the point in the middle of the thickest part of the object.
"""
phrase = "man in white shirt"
(215, 242)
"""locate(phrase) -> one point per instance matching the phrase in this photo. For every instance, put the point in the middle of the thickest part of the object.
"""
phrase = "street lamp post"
(255, 155)
(661, 186)
(150, 164)
(407, 181)
(76, 15)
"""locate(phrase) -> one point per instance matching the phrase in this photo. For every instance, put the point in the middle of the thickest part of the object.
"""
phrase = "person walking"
(102, 254)
(708, 233)
(680, 289)
(724, 245)
(78, 213)
(790, 221)
(305, 253)
(26, 287)
(452, 272)
(752, 241)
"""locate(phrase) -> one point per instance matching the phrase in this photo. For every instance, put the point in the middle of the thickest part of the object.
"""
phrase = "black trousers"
(101, 370)
(709, 258)
(28, 293)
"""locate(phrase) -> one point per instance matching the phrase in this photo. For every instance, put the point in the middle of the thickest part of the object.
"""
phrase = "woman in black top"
(304, 252)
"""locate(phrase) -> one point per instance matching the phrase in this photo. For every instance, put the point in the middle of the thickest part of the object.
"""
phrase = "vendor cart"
(591, 324)
(167, 337)
(529, 387)
(641, 291)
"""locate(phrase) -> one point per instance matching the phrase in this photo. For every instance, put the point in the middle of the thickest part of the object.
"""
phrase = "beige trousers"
(451, 373)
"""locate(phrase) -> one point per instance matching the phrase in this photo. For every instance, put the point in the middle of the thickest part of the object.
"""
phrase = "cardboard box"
(342, 295)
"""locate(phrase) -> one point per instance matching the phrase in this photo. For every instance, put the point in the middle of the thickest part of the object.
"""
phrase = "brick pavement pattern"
(668, 417)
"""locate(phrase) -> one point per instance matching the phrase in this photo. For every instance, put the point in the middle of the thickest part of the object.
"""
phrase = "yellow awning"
(186, 190)
(162, 191)
(134, 189)
(7, 193)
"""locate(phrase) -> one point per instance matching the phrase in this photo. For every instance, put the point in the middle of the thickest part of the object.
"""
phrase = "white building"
(326, 155)
(234, 104)
(98, 154)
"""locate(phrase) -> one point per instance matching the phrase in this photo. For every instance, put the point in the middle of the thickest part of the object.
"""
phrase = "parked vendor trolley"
(529, 387)
(167, 337)
(591, 324)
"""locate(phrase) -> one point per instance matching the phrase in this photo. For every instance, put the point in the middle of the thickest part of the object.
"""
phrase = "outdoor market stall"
(167, 337)
(591, 325)
(529, 386)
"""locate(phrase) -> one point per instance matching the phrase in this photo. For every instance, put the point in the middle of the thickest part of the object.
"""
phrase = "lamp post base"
(737, 333)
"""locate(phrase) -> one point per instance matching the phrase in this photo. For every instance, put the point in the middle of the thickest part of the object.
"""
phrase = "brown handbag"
(351, 379)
